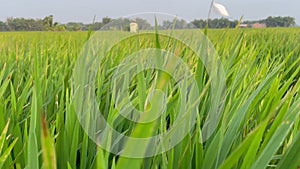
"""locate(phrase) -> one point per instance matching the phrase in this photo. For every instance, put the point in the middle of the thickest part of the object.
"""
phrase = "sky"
(84, 10)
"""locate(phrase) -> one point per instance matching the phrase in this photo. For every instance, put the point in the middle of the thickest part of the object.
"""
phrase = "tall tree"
(106, 20)
(143, 24)
(48, 22)
(3, 26)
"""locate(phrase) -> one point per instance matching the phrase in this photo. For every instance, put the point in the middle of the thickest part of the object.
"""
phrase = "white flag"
(221, 9)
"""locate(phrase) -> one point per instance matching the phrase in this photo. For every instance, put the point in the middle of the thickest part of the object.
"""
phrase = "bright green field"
(259, 127)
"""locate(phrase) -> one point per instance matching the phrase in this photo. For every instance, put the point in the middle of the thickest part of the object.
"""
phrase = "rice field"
(258, 126)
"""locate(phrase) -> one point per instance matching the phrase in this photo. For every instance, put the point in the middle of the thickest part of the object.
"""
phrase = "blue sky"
(84, 10)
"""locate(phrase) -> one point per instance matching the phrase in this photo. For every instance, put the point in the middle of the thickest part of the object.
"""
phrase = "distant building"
(259, 25)
(243, 25)
(134, 27)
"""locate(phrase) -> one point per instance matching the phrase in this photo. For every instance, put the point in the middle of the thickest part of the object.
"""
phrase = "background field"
(260, 126)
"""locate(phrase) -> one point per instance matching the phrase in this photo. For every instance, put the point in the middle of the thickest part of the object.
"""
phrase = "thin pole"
(209, 13)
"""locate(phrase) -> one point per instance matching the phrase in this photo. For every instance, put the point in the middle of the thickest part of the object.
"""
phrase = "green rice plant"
(259, 126)
(5, 152)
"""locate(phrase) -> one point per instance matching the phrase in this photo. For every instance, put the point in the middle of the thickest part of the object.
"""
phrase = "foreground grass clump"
(260, 126)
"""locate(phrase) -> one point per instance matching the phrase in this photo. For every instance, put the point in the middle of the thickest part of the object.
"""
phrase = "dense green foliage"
(260, 126)
(224, 22)
(48, 24)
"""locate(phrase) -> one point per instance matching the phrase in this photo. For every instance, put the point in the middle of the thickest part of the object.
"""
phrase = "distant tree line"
(276, 21)
(225, 23)
(48, 24)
